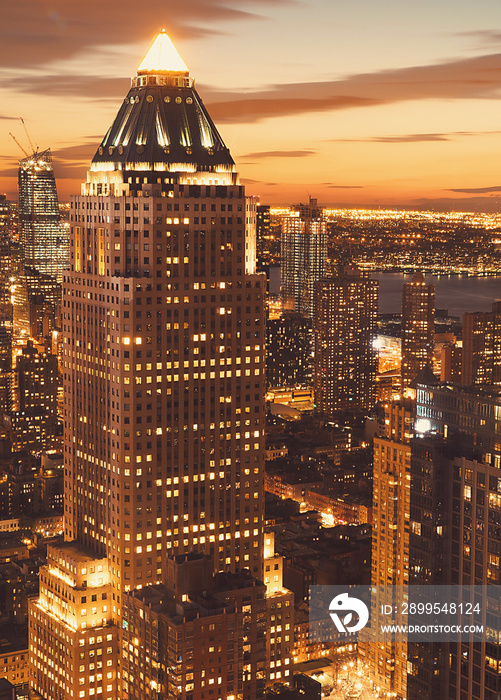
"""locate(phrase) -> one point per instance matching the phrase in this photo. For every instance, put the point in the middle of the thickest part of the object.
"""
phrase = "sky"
(373, 103)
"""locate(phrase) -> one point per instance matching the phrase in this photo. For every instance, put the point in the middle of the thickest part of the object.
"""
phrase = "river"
(456, 293)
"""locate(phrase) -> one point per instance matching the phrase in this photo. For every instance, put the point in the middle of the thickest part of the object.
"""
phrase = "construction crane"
(18, 144)
(33, 149)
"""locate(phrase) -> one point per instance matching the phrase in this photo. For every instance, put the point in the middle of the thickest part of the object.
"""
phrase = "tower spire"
(163, 57)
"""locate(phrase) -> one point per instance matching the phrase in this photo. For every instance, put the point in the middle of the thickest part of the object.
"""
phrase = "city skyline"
(350, 104)
(207, 417)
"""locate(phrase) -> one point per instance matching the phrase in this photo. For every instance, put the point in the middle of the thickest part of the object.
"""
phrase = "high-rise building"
(205, 639)
(451, 356)
(5, 216)
(289, 351)
(386, 656)
(44, 244)
(345, 325)
(44, 303)
(35, 303)
(481, 355)
(164, 371)
(6, 377)
(6, 274)
(7, 268)
(43, 238)
(304, 257)
(279, 615)
(455, 512)
(263, 229)
(21, 327)
(418, 318)
(34, 419)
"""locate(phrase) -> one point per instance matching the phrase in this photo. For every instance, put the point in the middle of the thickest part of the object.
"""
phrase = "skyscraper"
(289, 351)
(263, 226)
(5, 216)
(418, 318)
(304, 257)
(163, 361)
(6, 377)
(387, 657)
(481, 354)
(34, 420)
(455, 514)
(344, 329)
(6, 272)
(451, 356)
(43, 239)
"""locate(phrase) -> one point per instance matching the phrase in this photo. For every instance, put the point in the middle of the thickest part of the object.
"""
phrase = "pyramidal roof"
(163, 57)
(163, 125)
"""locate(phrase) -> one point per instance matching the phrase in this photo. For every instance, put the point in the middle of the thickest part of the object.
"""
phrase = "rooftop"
(163, 124)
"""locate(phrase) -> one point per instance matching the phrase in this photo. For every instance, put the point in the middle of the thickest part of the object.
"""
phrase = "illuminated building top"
(162, 127)
(162, 57)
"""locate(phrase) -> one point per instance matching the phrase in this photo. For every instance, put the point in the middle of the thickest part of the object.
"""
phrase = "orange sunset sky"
(360, 102)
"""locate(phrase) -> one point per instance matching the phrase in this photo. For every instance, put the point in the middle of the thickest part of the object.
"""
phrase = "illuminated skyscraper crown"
(163, 57)
(163, 124)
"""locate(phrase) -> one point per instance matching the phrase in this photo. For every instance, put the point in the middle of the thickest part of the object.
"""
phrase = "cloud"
(476, 77)
(10, 171)
(82, 152)
(471, 78)
(475, 190)
(83, 86)
(246, 110)
(345, 187)
(410, 138)
(249, 181)
(280, 154)
(70, 162)
(415, 138)
(34, 32)
(484, 37)
(333, 186)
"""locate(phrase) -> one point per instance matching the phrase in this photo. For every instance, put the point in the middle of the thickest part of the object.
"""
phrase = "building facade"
(481, 353)
(164, 378)
(345, 327)
(455, 512)
(34, 420)
(289, 351)
(418, 319)
(263, 229)
(387, 658)
(43, 238)
(304, 257)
